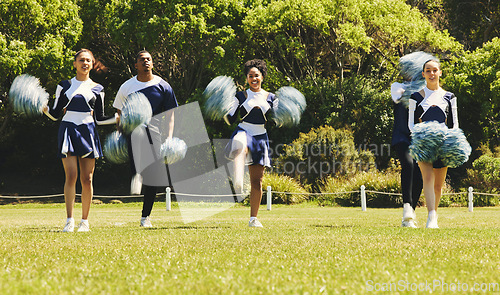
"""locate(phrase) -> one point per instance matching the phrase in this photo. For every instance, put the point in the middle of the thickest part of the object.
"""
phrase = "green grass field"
(302, 249)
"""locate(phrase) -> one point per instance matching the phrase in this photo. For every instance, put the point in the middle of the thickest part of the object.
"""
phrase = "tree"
(330, 38)
(186, 37)
(471, 22)
(475, 80)
(36, 37)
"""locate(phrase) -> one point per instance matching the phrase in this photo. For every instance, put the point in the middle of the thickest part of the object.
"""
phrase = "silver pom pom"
(455, 149)
(410, 67)
(219, 94)
(136, 111)
(426, 140)
(115, 148)
(291, 105)
(173, 150)
(27, 96)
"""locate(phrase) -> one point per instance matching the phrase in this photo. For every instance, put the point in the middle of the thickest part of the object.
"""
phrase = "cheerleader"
(432, 109)
(249, 142)
(80, 101)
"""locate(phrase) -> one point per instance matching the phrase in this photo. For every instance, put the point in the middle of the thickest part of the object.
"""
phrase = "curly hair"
(256, 63)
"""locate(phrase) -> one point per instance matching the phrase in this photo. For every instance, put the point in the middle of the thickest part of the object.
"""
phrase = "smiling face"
(83, 63)
(431, 73)
(254, 79)
(144, 63)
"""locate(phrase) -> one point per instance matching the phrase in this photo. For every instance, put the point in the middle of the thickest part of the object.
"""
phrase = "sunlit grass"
(301, 249)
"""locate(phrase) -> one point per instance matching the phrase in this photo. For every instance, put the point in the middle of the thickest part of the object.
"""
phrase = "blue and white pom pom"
(426, 140)
(136, 111)
(291, 105)
(455, 149)
(410, 68)
(115, 148)
(173, 150)
(27, 96)
(219, 94)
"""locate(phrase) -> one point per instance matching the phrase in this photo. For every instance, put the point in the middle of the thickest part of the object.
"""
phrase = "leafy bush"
(485, 177)
(323, 152)
(376, 181)
(283, 183)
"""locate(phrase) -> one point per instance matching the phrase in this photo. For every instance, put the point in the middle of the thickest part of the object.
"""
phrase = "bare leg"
(239, 170)
(240, 151)
(439, 178)
(256, 174)
(70, 165)
(428, 180)
(86, 174)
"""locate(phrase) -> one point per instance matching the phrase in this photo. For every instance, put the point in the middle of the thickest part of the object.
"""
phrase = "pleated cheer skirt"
(79, 140)
(258, 147)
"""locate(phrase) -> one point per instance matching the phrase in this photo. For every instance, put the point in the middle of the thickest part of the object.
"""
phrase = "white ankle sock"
(70, 219)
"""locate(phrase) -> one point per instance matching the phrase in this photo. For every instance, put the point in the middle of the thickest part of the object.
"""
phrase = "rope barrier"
(314, 194)
(216, 196)
(228, 195)
(384, 193)
(486, 194)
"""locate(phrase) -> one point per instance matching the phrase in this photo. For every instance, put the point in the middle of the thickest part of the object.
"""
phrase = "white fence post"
(269, 198)
(168, 199)
(471, 199)
(363, 198)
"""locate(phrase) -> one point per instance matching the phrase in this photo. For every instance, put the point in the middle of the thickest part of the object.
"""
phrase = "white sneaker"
(408, 212)
(409, 223)
(146, 222)
(83, 227)
(432, 220)
(254, 223)
(136, 184)
(69, 227)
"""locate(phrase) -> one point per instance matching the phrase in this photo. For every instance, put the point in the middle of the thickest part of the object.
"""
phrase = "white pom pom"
(115, 148)
(27, 96)
(219, 94)
(136, 111)
(173, 150)
(291, 105)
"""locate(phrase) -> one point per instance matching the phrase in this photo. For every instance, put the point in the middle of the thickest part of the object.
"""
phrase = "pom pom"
(455, 149)
(27, 96)
(426, 140)
(219, 94)
(115, 148)
(410, 68)
(291, 105)
(173, 150)
(135, 112)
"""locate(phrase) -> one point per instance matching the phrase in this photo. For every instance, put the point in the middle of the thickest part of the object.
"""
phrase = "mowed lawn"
(302, 249)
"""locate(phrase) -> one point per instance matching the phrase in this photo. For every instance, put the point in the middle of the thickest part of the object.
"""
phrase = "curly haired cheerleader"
(249, 142)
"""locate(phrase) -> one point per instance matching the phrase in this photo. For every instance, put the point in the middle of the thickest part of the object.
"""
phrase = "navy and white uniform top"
(252, 107)
(80, 100)
(159, 93)
(434, 105)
